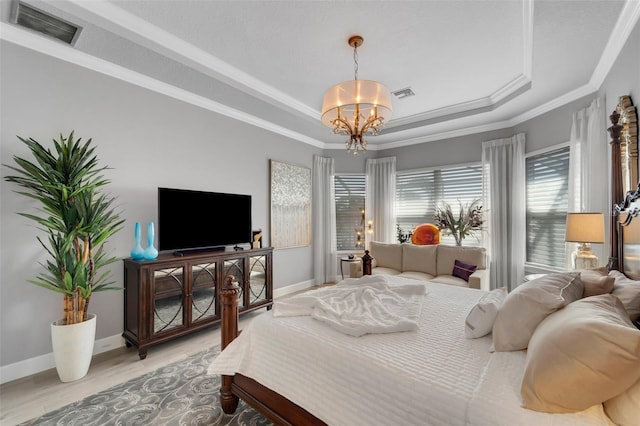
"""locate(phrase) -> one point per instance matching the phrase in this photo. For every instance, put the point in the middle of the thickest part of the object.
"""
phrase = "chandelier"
(356, 108)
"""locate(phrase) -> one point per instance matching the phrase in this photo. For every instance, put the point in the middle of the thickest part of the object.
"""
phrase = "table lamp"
(585, 228)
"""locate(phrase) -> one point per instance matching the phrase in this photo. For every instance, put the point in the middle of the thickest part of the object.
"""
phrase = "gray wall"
(551, 128)
(459, 150)
(151, 140)
(624, 77)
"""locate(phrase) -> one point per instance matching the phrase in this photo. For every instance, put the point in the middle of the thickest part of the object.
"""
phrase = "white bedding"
(430, 376)
(359, 306)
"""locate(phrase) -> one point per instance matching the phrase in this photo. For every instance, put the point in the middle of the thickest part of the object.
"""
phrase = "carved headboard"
(625, 215)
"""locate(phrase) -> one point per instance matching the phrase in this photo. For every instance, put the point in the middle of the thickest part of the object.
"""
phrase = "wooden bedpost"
(616, 187)
(229, 331)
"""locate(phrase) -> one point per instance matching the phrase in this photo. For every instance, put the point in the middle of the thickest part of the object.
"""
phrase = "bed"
(297, 370)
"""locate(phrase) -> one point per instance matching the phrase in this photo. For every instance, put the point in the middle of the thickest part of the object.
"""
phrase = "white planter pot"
(73, 348)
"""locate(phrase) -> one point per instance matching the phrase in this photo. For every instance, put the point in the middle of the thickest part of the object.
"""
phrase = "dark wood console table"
(172, 295)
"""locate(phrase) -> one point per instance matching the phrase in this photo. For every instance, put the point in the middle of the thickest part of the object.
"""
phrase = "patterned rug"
(177, 394)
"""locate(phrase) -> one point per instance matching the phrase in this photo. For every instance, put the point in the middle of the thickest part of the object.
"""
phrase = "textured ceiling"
(472, 64)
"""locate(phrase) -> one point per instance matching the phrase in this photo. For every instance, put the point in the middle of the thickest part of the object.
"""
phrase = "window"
(350, 196)
(419, 193)
(547, 176)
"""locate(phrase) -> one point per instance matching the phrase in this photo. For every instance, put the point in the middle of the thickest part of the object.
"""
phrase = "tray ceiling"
(473, 65)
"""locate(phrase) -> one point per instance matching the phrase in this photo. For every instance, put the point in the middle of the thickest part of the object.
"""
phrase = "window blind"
(419, 193)
(350, 196)
(547, 177)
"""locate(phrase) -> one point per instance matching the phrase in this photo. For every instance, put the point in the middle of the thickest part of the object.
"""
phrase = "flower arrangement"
(467, 223)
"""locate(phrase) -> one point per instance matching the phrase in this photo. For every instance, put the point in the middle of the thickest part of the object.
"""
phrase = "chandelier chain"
(355, 61)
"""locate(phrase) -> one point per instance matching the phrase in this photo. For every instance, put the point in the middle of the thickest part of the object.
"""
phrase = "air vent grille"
(44, 23)
(404, 93)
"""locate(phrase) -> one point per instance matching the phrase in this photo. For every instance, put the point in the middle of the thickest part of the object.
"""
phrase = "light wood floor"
(33, 396)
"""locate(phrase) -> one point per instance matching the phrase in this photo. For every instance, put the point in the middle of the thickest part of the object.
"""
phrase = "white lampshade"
(367, 94)
(585, 228)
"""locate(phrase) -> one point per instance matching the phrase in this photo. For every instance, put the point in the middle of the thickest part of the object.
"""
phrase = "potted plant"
(466, 223)
(77, 218)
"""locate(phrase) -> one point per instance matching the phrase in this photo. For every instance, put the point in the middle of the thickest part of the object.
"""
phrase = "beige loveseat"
(429, 263)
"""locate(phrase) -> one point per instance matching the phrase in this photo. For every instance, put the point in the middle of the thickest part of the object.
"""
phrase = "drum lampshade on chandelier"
(356, 108)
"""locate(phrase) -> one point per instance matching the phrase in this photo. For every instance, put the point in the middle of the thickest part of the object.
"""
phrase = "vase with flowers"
(467, 222)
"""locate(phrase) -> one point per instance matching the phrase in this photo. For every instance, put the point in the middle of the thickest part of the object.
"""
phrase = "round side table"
(344, 260)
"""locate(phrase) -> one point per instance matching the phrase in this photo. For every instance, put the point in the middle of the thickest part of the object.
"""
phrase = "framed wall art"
(290, 205)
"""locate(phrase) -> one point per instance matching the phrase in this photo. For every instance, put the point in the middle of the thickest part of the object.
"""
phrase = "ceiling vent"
(37, 20)
(404, 93)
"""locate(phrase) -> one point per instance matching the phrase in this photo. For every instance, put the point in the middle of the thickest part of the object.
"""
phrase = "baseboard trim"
(38, 364)
(293, 288)
(41, 363)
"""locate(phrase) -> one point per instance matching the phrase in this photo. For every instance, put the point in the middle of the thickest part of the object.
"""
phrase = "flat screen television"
(192, 220)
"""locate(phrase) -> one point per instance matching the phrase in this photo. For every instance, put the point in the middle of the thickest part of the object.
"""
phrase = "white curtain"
(588, 169)
(380, 204)
(325, 267)
(504, 195)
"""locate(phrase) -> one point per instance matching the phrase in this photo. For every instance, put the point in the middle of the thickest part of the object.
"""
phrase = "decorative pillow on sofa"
(479, 321)
(628, 291)
(463, 270)
(530, 303)
(447, 256)
(584, 354)
(624, 409)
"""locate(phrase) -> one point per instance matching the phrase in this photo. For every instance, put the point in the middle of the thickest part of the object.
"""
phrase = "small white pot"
(73, 348)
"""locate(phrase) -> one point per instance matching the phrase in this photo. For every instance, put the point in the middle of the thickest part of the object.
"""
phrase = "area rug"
(178, 394)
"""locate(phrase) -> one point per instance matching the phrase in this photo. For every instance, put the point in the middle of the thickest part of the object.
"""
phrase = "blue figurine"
(150, 252)
(137, 253)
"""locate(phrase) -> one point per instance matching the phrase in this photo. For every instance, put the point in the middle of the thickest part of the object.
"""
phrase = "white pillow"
(628, 291)
(582, 355)
(480, 319)
(596, 281)
(528, 304)
(624, 409)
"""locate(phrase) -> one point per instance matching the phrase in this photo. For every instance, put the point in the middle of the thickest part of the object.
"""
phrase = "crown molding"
(580, 92)
(625, 24)
(59, 50)
(121, 22)
(574, 95)
(515, 87)
(434, 137)
(117, 20)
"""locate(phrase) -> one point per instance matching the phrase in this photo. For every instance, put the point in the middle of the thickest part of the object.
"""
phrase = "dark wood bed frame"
(272, 405)
(282, 411)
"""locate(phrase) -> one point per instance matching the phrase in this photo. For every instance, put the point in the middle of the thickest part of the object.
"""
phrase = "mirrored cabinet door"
(257, 279)
(168, 296)
(235, 267)
(172, 296)
(203, 291)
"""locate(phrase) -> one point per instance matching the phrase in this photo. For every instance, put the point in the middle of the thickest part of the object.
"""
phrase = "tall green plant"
(76, 216)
